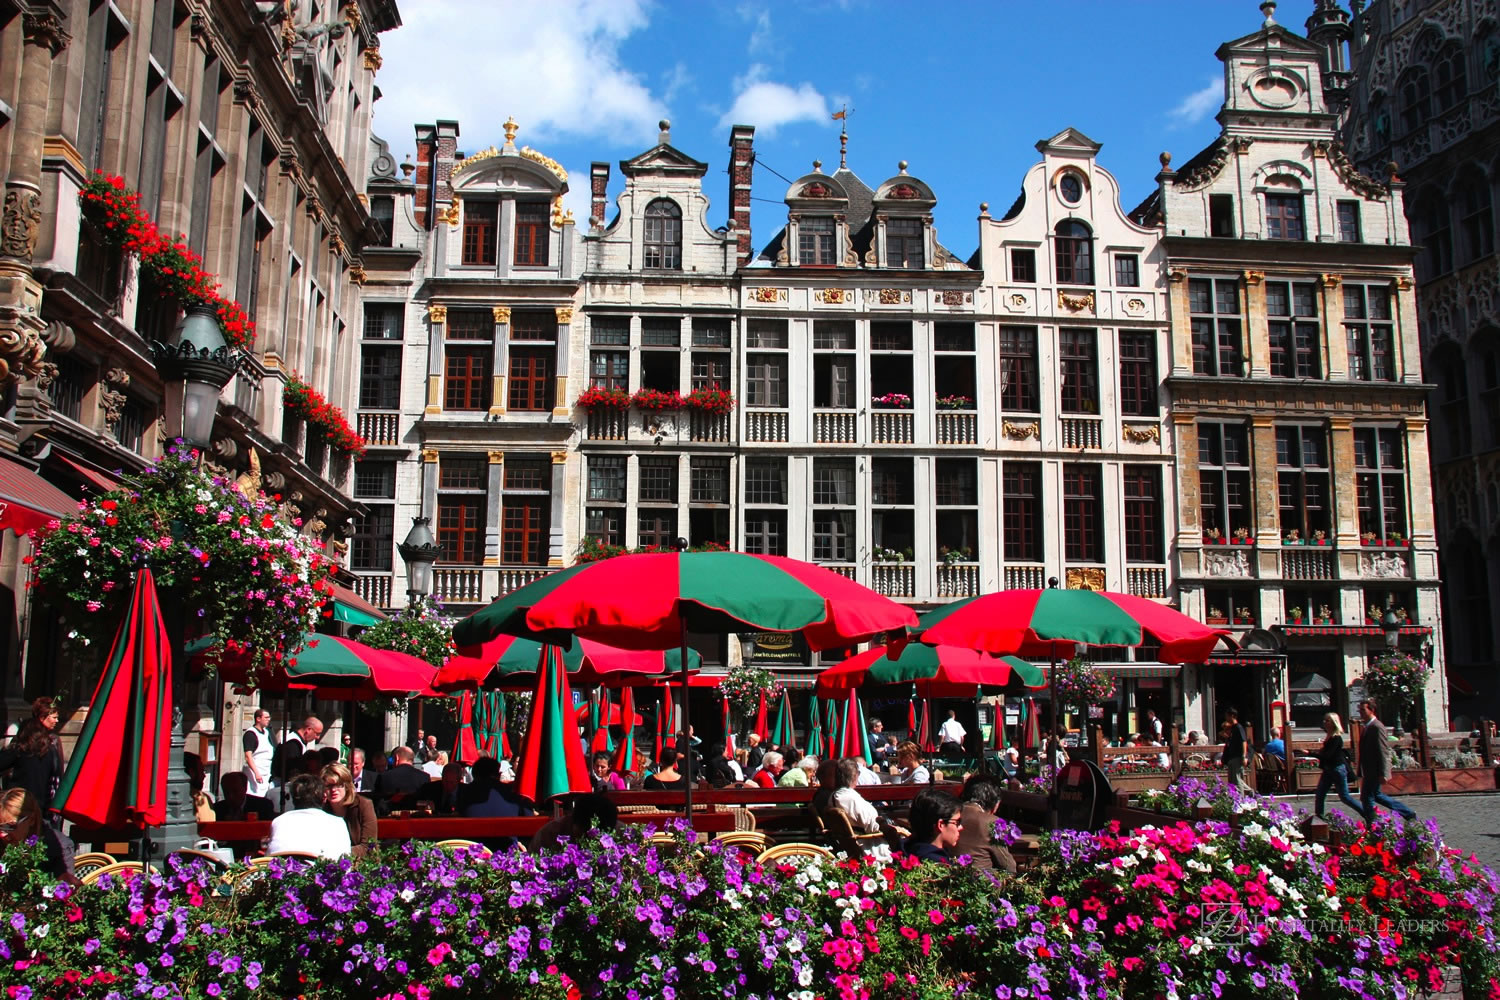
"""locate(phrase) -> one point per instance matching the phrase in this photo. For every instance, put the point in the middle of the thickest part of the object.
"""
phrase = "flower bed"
(1186, 909)
(309, 404)
(168, 266)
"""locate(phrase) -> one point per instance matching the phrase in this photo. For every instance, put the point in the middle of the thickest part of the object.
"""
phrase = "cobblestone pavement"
(1470, 821)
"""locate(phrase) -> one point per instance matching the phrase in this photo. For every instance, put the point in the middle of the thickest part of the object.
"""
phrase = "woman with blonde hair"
(21, 819)
(913, 771)
(1335, 761)
(357, 812)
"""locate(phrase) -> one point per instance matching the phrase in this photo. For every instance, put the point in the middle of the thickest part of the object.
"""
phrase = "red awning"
(1370, 630)
(27, 501)
(99, 479)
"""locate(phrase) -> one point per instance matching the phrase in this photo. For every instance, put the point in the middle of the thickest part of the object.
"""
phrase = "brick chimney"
(426, 148)
(443, 160)
(599, 187)
(741, 164)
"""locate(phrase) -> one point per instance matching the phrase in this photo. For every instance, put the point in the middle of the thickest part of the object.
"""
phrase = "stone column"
(21, 325)
(501, 360)
(1336, 344)
(1344, 487)
(1267, 525)
(558, 504)
(495, 486)
(1179, 308)
(430, 484)
(560, 406)
(437, 318)
(1256, 337)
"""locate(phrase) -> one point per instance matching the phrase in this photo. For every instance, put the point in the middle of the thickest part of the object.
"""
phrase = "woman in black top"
(1335, 767)
(33, 760)
(666, 777)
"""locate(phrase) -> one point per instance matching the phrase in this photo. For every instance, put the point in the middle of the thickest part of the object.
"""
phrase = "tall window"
(1437, 238)
(1292, 324)
(766, 365)
(1021, 508)
(833, 509)
(609, 354)
(765, 480)
(209, 160)
(1138, 373)
(104, 33)
(605, 517)
(1380, 481)
(1215, 307)
(1224, 479)
(1083, 513)
(903, 244)
(1127, 270)
(1221, 215)
(893, 506)
(162, 105)
(383, 214)
(662, 245)
(1453, 391)
(710, 479)
(533, 353)
(765, 532)
(1075, 253)
(1416, 103)
(1348, 219)
(1078, 354)
(532, 231)
(1019, 388)
(525, 511)
(1284, 217)
(1302, 480)
(765, 483)
(480, 225)
(466, 378)
(657, 525)
(833, 364)
(373, 540)
(1143, 530)
(1368, 329)
(1476, 220)
(815, 240)
(461, 505)
(956, 496)
(384, 320)
(710, 358)
(1023, 265)
(661, 355)
(1452, 78)
(380, 377)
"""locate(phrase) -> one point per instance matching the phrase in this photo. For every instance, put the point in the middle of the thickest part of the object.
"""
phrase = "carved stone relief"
(1021, 430)
(1085, 578)
(1384, 565)
(1236, 564)
(767, 294)
(21, 223)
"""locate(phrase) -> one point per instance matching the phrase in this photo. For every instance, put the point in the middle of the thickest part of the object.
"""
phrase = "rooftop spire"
(842, 115)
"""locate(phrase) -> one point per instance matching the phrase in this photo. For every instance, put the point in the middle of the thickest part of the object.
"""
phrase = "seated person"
(443, 793)
(891, 750)
(738, 763)
(867, 775)
(1275, 746)
(306, 828)
(667, 776)
(981, 799)
(357, 812)
(21, 819)
(862, 814)
(399, 783)
(716, 766)
(203, 803)
(936, 824)
(827, 780)
(489, 797)
(800, 776)
(604, 779)
(913, 771)
(434, 767)
(236, 803)
(588, 813)
(771, 766)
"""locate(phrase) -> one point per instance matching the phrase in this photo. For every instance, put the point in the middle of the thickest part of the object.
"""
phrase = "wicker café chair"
(90, 861)
(464, 845)
(782, 852)
(123, 871)
(751, 841)
(841, 834)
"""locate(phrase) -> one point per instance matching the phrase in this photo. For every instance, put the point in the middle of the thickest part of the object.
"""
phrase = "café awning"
(27, 501)
(355, 610)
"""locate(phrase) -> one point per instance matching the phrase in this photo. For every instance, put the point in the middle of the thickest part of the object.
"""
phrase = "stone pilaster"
(501, 360)
(1179, 309)
(560, 406)
(1421, 527)
(1408, 336)
(437, 319)
(558, 504)
(1345, 488)
(495, 488)
(1263, 458)
(1189, 512)
(1257, 338)
(1335, 343)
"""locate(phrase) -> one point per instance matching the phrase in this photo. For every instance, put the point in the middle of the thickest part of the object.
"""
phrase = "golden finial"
(902, 166)
(817, 166)
(510, 127)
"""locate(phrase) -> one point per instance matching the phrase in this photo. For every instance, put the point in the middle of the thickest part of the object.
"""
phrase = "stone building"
(243, 127)
(1072, 420)
(1425, 95)
(1296, 395)
(464, 390)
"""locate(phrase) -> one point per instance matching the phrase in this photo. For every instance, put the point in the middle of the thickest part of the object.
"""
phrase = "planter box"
(1139, 782)
(1464, 779)
(1307, 781)
(1408, 781)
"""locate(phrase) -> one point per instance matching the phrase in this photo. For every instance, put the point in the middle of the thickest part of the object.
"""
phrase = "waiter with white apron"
(258, 751)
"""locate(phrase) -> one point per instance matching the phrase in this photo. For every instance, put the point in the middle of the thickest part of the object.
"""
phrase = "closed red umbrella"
(118, 773)
(762, 728)
(624, 758)
(552, 762)
(924, 730)
(466, 749)
(729, 725)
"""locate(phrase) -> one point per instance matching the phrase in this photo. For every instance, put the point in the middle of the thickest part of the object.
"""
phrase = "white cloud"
(555, 66)
(1198, 105)
(768, 105)
(676, 81)
(760, 35)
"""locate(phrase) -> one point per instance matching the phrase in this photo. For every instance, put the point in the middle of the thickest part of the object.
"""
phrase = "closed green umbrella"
(815, 745)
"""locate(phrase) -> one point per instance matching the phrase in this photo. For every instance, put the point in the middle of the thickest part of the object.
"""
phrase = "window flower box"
(1242, 536)
(1213, 537)
(892, 401)
(954, 403)
(712, 400)
(655, 399)
(598, 397)
(322, 418)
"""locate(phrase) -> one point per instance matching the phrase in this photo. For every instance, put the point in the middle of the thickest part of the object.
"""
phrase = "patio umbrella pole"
(687, 746)
(1052, 735)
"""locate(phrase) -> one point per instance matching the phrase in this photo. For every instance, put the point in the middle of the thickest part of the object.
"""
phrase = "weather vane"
(842, 115)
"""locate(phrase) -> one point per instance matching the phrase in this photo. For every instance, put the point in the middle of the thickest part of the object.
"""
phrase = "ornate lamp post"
(419, 550)
(195, 365)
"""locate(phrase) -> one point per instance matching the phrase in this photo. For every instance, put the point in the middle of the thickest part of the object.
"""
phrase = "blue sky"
(961, 90)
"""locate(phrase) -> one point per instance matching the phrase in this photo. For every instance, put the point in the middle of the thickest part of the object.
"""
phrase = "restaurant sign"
(774, 647)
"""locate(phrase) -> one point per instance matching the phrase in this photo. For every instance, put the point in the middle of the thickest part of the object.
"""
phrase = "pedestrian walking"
(1334, 758)
(1375, 766)
(1234, 750)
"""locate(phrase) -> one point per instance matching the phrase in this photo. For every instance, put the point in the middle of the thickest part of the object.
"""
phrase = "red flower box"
(597, 397)
(655, 399)
(308, 403)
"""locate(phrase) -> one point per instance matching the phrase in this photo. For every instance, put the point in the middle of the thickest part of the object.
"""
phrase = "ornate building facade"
(1426, 96)
(1296, 393)
(243, 127)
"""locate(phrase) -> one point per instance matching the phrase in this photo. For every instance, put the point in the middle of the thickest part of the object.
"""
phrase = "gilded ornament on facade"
(373, 59)
(471, 159)
(1140, 434)
(1085, 578)
(564, 315)
(357, 274)
(1135, 305)
(1020, 431)
(336, 244)
(527, 153)
(766, 293)
(437, 314)
(496, 457)
(450, 215)
(1253, 278)
(1330, 280)
(501, 314)
(953, 298)
(892, 296)
(1075, 303)
(832, 296)
(430, 456)
(1018, 301)
(1177, 275)
(1403, 283)
(559, 457)
(350, 10)
(510, 128)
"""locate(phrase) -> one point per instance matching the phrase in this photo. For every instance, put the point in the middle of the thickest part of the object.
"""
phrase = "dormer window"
(903, 244)
(1075, 253)
(1284, 217)
(479, 232)
(531, 232)
(663, 241)
(815, 240)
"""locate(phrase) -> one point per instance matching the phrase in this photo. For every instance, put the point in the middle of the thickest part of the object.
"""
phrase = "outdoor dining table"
(452, 827)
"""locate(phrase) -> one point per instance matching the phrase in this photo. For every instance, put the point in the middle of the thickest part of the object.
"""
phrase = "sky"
(961, 89)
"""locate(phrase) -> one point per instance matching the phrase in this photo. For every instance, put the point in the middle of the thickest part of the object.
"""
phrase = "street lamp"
(419, 550)
(195, 365)
(1391, 626)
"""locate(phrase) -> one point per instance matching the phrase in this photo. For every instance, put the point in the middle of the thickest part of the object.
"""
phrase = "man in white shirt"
(1153, 724)
(951, 732)
(307, 828)
(862, 815)
(435, 766)
(258, 753)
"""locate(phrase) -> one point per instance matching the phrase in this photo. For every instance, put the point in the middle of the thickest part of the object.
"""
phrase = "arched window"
(663, 244)
(1434, 235)
(1075, 253)
(1416, 103)
(1486, 347)
(1476, 221)
(1452, 78)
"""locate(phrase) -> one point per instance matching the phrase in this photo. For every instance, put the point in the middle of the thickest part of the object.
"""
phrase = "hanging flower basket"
(1079, 684)
(655, 399)
(743, 686)
(598, 397)
(1397, 678)
(420, 629)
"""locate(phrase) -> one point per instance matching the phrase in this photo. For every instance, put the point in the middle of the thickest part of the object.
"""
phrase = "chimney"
(741, 163)
(599, 181)
(426, 146)
(443, 160)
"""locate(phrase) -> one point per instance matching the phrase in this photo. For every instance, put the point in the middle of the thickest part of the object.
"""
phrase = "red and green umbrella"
(924, 730)
(937, 671)
(624, 758)
(552, 763)
(785, 732)
(118, 773)
(664, 721)
(761, 727)
(511, 663)
(815, 741)
(911, 715)
(599, 709)
(998, 735)
(1031, 725)
(729, 727)
(466, 748)
(1046, 623)
(852, 741)
(332, 666)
